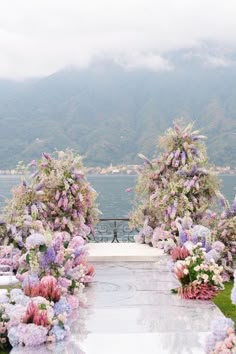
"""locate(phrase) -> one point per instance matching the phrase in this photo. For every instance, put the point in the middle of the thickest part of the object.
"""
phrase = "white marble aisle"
(130, 310)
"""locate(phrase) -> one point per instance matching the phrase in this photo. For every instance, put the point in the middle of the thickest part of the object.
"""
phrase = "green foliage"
(223, 301)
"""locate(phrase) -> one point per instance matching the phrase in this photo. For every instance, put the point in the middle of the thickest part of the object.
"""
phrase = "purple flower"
(62, 306)
(182, 236)
(34, 240)
(183, 157)
(79, 251)
(38, 187)
(32, 163)
(31, 280)
(46, 156)
(48, 257)
(128, 190)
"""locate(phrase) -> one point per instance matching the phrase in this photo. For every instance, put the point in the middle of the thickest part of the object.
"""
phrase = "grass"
(223, 301)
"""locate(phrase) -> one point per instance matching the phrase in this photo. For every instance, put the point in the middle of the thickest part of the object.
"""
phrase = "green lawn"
(223, 301)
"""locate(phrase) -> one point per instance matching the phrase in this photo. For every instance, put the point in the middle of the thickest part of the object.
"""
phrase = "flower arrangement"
(57, 197)
(57, 254)
(35, 320)
(200, 279)
(180, 180)
(52, 273)
(48, 223)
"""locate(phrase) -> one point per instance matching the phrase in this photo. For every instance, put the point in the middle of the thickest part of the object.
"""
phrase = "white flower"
(205, 277)
(185, 271)
(197, 268)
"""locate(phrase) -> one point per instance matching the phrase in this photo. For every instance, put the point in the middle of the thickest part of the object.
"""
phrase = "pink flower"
(89, 269)
(179, 271)
(228, 343)
(36, 316)
(76, 242)
(47, 288)
(203, 291)
(73, 301)
(64, 282)
(179, 253)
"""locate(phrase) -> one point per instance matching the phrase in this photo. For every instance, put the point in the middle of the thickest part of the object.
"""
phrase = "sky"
(40, 37)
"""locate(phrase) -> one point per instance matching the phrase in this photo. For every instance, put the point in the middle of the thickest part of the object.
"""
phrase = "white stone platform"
(122, 252)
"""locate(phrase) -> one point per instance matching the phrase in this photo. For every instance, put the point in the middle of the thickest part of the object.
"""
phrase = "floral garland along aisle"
(48, 222)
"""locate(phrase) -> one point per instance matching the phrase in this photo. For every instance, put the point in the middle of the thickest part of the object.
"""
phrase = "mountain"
(109, 114)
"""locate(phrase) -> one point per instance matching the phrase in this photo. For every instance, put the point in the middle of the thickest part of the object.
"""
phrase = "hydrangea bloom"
(219, 330)
(35, 239)
(58, 332)
(31, 334)
(62, 306)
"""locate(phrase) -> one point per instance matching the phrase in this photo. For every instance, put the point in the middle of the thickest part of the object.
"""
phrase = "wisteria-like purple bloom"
(182, 236)
(193, 172)
(46, 156)
(38, 187)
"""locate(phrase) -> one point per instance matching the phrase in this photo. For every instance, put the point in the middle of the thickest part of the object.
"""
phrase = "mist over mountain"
(109, 113)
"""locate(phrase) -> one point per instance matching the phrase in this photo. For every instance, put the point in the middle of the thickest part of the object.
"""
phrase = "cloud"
(219, 62)
(148, 61)
(42, 36)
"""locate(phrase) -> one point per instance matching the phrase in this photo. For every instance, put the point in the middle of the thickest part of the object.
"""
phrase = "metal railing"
(114, 230)
(111, 230)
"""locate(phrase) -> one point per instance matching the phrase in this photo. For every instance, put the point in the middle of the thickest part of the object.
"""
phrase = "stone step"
(122, 252)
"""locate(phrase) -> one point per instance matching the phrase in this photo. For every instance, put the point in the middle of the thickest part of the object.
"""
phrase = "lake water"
(114, 201)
